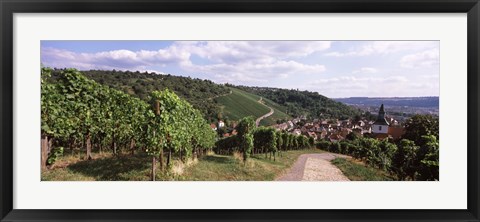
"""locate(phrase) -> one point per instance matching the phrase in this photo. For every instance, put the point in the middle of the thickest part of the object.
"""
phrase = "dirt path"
(315, 167)
(264, 116)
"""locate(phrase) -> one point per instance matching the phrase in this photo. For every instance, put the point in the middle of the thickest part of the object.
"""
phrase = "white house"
(290, 124)
(221, 124)
(297, 132)
(380, 126)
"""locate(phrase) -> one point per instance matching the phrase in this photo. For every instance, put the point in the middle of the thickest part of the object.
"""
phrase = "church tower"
(380, 126)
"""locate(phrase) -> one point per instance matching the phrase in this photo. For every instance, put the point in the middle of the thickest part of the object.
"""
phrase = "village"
(332, 130)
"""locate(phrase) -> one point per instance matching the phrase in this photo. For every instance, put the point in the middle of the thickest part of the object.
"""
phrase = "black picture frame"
(9, 7)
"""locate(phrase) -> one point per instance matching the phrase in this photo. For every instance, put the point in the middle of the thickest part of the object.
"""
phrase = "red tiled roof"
(381, 136)
(396, 132)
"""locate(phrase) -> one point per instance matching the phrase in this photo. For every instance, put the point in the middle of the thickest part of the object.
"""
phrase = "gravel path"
(315, 167)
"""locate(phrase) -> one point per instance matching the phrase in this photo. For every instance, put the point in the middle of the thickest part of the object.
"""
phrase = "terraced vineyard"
(239, 104)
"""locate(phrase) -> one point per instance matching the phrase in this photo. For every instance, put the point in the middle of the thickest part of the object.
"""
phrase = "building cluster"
(336, 130)
(330, 129)
(221, 126)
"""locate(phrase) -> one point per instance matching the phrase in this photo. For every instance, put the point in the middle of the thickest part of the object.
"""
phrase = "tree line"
(260, 140)
(79, 112)
(304, 103)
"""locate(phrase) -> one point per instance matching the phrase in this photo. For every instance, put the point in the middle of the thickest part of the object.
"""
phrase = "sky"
(335, 69)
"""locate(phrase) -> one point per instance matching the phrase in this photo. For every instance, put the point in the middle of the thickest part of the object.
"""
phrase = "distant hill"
(425, 102)
(304, 103)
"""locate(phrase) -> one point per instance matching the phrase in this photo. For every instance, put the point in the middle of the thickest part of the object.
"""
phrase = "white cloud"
(116, 59)
(428, 58)
(365, 70)
(223, 61)
(384, 47)
(262, 51)
(352, 79)
(252, 61)
(253, 72)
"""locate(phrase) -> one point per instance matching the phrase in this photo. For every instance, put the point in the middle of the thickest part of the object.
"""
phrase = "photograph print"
(239, 110)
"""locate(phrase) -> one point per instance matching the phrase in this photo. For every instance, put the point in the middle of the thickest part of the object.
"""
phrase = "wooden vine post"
(158, 112)
(44, 152)
(154, 159)
(154, 164)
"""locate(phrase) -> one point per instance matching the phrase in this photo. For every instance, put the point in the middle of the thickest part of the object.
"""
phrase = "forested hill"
(196, 91)
(304, 103)
(212, 99)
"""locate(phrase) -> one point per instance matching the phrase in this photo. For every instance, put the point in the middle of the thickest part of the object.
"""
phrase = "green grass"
(230, 168)
(358, 172)
(240, 104)
(137, 168)
(102, 168)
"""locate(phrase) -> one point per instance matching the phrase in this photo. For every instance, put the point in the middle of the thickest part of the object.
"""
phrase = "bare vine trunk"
(114, 144)
(161, 159)
(132, 146)
(154, 165)
(169, 158)
(88, 144)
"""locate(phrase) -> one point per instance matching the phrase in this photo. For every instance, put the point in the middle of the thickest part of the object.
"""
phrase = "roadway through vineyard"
(315, 167)
(266, 115)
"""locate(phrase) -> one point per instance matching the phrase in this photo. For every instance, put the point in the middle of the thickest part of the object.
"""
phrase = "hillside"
(239, 104)
(140, 84)
(217, 100)
(304, 103)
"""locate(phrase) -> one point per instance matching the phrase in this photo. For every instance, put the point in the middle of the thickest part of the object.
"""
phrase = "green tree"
(404, 160)
(421, 125)
(352, 136)
(286, 141)
(245, 129)
(323, 145)
(311, 141)
(279, 137)
(428, 157)
(385, 154)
